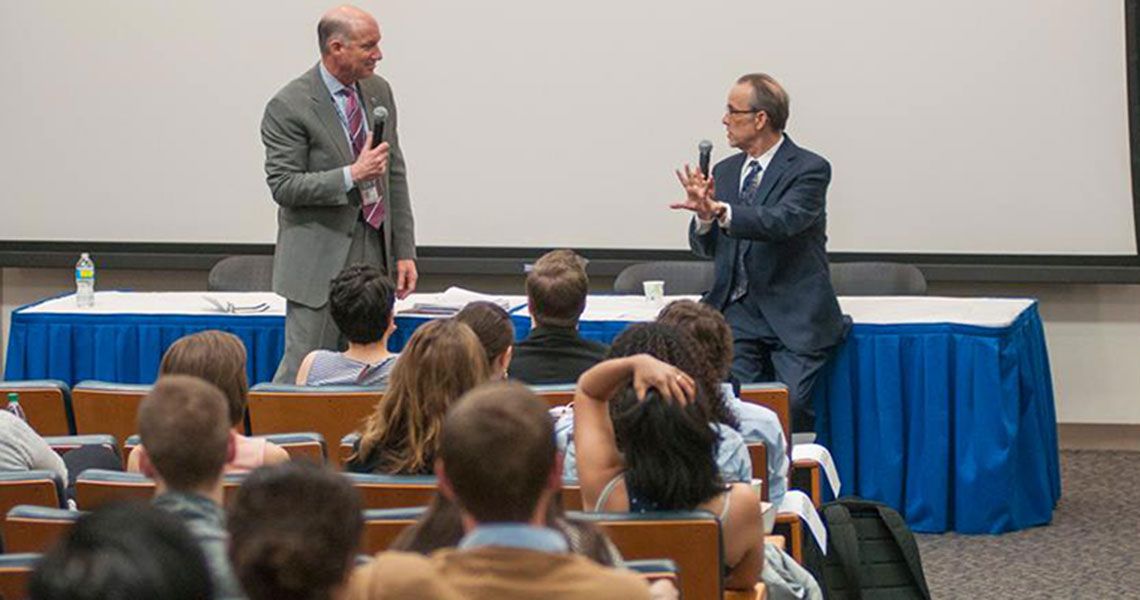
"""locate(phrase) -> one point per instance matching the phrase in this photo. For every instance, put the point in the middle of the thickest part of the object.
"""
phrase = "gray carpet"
(1090, 550)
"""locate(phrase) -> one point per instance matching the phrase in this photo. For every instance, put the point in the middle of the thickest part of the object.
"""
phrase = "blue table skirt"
(952, 425)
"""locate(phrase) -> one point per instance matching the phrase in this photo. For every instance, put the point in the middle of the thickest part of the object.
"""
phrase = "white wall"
(1093, 331)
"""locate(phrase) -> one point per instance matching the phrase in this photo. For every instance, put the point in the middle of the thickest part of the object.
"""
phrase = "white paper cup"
(654, 291)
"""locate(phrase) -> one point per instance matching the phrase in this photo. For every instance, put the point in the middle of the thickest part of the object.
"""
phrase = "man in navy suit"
(761, 217)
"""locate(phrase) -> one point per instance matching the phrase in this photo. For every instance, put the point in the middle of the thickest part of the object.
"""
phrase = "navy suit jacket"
(784, 226)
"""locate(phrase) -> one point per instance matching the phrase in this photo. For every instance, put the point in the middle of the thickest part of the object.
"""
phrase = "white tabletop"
(875, 310)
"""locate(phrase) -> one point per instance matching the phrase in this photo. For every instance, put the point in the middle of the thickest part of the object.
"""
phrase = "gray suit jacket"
(306, 151)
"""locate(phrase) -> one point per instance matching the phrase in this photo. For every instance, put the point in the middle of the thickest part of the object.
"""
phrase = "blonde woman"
(219, 358)
(441, 361)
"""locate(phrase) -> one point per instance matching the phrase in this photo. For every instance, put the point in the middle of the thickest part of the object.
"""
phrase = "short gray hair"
(768, 96)
(330, 27)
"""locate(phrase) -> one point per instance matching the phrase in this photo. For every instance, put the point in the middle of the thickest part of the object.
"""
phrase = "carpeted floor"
(1091, 550)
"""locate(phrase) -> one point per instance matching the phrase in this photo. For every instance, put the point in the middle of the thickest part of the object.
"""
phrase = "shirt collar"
(515, 535)
(332, 83)
(766, 158)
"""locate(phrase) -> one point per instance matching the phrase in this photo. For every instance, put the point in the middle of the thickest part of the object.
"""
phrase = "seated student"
(443, 359)
(713, 339)
(218, 357)
(673, 346)
(294, 532)
(184, 423)
(498, 462)
(656, 453)
(123, 550)
(22, 449)
(492, 325)
(361, 302)
(554, 352)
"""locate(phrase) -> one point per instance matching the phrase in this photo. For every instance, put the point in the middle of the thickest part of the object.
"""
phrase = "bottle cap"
(13, 397)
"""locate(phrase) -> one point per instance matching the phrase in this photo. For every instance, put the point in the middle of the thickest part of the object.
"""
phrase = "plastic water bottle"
(85, 282)
(14, 406)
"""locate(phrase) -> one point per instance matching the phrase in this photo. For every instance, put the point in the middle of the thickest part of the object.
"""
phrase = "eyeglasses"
(739, 111)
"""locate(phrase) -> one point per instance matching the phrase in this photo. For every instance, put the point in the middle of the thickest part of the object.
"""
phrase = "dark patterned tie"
(374, 213)
(739, 273)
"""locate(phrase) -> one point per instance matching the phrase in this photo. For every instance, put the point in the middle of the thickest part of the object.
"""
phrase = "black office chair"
(681, 277)
(241, 274)
(877, 279)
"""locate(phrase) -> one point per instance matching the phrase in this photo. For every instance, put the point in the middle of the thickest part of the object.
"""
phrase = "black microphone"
(706, 152)
(379, 116)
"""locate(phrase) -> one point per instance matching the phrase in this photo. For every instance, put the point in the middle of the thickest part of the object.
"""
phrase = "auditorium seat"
(802, 474)
(758, 453)
(393, 491)
(46, 404)
(36, 528)
(300, 446)
(62, 444)
(110, 408)
(95, 487)
(559, 394)
(681, 277)
(37, 488)
(383, 526)
(15, 572)
(241, 274)
(332, 411)
(691, 539)
(656, 569)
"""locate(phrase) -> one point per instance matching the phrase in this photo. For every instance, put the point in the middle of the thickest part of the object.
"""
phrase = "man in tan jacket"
(498, 463)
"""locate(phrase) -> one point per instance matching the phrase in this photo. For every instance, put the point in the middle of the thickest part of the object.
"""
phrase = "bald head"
(342, 23)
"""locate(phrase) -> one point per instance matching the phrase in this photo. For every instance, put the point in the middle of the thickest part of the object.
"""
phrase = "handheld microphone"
(379, 117)
(706, 153)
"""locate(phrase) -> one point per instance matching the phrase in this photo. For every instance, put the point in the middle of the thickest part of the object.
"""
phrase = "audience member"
(554, 351)
(22, 449)
(361, 301)
(218, 357)
(184, 423)
(713, 349)
(669, 344)
(294, 532)
(123, 551)
(656, 453)
(442, 360)
(499, 464)
(492, 325)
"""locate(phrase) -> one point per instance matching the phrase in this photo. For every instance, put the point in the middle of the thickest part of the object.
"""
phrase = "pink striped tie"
(373, 214)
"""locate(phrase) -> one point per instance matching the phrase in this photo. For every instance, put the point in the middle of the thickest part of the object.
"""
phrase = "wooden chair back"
(107, 408)
(36, 528)
(382, 527)
(691, 539)
(758, 453)
(288, 409)
(96, 487)
(37, 488)
(46, 404)
(556, 394)
(773, 396)
(393, 491)
(15, 572)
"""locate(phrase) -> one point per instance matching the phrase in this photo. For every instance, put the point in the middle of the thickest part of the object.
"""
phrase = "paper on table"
(822, 456)
(799, 504)
(453, 300)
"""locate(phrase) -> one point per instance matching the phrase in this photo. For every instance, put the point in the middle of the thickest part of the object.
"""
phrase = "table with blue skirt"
(940, 407)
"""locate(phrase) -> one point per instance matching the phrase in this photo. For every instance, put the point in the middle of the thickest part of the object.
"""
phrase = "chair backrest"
(241, 274)
(773, 396)
(96, 487)
(393, 491)
(877, 279)
(305, 445)
(681, 277)
(62, 444)
(110, 408)
(15, 572)
(46, 404)
(382, 527)
(36, 528)
(331, 412)
(691, 539)
(38, 488)
(655, 569)
(559, 394)
(571, 496)
(758, 453)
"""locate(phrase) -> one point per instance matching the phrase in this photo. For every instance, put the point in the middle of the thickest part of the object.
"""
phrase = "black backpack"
(871, 554)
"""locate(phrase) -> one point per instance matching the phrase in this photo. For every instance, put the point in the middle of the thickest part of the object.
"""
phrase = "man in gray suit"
(340, 200)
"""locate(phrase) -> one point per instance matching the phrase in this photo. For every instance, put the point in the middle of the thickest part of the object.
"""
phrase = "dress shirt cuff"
(347, 178)
(703, 226)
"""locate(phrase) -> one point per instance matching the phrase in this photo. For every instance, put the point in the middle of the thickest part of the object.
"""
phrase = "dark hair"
(441, 527)
(556, 288)
(124, 550)
(498, 450)
(184, 426)
(768, 96)
(294, 530)
(491, 324)
(709, 331)
(217, 357)
(672, 345)
(360, 302)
